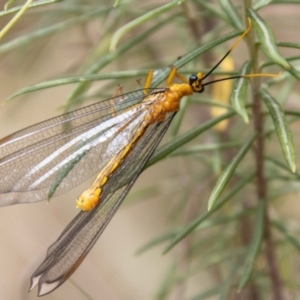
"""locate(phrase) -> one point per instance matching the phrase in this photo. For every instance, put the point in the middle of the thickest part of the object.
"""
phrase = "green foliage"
(242, 173)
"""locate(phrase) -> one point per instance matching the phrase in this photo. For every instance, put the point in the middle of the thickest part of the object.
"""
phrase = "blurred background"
(68, 38)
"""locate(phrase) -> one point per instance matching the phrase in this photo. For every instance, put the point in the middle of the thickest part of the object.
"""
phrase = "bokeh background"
(166, 195)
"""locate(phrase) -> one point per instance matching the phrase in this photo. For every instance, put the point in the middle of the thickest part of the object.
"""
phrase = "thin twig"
(261, 184)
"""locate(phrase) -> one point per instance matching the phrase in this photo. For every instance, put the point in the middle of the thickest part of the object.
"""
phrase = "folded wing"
(52, 157)
(66, 254)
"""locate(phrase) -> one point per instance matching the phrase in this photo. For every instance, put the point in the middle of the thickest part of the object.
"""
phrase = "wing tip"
(34, 281)
(47, 287)
(44, 288)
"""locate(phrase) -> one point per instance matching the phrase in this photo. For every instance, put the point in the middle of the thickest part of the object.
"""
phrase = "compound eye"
(192, 79)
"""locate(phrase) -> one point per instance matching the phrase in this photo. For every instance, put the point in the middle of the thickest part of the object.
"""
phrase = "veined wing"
(66, 254)
(54, 156)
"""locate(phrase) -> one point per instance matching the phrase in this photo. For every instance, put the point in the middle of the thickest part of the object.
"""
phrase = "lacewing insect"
(116, 136)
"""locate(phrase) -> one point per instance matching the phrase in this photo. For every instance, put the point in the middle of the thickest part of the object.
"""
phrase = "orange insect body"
(117, 136)
(160, 104)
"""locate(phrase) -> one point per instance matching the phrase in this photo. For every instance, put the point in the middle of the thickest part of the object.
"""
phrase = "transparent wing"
(54, 156)
(66, 254)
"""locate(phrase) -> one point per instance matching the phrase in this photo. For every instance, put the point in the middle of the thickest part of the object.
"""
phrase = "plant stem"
(261, 184)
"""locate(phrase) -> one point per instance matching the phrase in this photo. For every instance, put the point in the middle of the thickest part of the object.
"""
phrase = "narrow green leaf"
(295, 72)
(267, 39)
(78, 78)
(275, 80)
(286, 89)
(184, 138)
(239, 92)
(192, 225)
(229, 282)
(291, 239)
(286, 190)
(140, 20)
(176, 122)
(286, 1)
(167, 283)
(289, 45)
(79, 290)
(292, 113)
(227, 173)
(293, 69)
(204, 225)
(32, 5)
(43, 32)
(207, 294)
(282, 128)
(212, 9)
(282, 166)
(225, 219)
(15, 19)
(233, 16)
(254, 246)
(8, 3)
(156, 241)
(261, 3)
(204, 148)
(117, 3)
(210, 102)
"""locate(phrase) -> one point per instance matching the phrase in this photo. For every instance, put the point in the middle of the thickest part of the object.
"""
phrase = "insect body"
(50, 158)
(116, 136)
(129, 137)
(156, 106)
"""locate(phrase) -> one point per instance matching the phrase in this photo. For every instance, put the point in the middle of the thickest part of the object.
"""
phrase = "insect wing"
(54, 156)
(66, 254)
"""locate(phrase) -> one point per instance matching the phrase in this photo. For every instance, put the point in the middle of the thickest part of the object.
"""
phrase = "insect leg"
(119, 93)
(148, 82)
(173, 74)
